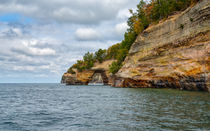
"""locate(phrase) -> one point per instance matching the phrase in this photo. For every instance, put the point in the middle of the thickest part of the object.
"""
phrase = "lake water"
(55, 107)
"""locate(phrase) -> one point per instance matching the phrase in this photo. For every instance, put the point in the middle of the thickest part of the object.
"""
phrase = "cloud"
(2, 58)
(67, 11)
(87, 34)
(123, 14)
(34, 51)
(17, 31)
(121, 28)
(28, 47)
(14, 32)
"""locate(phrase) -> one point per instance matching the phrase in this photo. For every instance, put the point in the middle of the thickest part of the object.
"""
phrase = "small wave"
(10, 123)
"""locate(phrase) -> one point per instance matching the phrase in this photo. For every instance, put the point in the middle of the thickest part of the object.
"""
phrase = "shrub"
(88, 60)
(114, 67)
(113, 51)
(100, 55)
(80, 65)
(71, 71)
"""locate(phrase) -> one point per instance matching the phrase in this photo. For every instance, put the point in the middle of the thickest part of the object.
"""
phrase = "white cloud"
(123, 14)
(18, 31)
(11, 7)
(23, 68)
(67, 11)
(45, 51)
(87, 34)
(121, 28)
(28, 47)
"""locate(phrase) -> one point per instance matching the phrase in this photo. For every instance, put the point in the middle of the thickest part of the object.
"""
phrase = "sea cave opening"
(99, 77)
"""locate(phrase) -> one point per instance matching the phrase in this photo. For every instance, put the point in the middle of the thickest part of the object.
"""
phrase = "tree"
(138, 20)
(114, 67)
(71, 71)
(80, 65)
(163, 8)
(88, 60)
(113, 51)
(100, 55)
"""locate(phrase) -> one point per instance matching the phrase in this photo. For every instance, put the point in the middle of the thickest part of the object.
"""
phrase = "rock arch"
(99, 76)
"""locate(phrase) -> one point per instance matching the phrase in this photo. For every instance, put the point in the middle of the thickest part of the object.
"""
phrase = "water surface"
(54, 107)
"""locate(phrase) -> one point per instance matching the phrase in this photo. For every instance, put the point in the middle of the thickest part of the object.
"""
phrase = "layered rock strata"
(173, 54)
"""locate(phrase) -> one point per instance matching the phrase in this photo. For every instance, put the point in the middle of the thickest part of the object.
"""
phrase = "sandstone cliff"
(174, 53)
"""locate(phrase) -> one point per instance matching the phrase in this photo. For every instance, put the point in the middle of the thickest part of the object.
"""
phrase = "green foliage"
(114, 67)
(113, 51)
(88, 60)
(80, 65)
(122, 53)
(100, 55)
(138, 20)
(70, 70)
(129, 38)
(137, 23)
(163, 8)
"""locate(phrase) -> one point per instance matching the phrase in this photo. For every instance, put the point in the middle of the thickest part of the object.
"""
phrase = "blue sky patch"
(15, 18)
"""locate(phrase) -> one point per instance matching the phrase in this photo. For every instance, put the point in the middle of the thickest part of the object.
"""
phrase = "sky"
(41, 39)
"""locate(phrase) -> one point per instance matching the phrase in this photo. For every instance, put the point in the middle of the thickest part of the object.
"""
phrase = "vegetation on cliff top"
(99, 56)
(139, 20)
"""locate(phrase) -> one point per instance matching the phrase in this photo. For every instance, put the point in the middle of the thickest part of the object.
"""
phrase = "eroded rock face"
(79, 78)
(166, 55)
(71, 79)
(99, 76)
(99, 73)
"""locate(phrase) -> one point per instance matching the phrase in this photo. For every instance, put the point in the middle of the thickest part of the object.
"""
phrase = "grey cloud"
(87, 34)
(65, 48)
(2, 58)
(34, 51)
(27, 63)
(10, 34)
(67, 11)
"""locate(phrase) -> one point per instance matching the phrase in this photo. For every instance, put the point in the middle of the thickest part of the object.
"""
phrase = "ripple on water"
(57, 107)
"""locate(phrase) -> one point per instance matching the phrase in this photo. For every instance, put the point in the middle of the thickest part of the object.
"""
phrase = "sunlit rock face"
(166, 55)
(76, 79)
